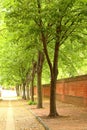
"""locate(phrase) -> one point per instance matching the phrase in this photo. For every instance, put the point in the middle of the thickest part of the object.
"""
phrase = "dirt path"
(14, 115)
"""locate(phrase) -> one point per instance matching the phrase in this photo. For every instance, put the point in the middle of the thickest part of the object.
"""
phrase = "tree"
(23, 31)
(67, 22)
(39, 78)
(50, 23)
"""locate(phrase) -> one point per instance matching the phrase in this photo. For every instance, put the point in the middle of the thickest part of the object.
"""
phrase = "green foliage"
(32, 102)
(20, 37)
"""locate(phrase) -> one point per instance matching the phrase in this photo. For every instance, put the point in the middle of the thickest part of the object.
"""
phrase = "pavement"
(14, 115)
(18, 115)
(71, 117)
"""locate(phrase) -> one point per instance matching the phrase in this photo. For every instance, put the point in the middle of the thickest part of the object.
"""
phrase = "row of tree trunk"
(26, 90)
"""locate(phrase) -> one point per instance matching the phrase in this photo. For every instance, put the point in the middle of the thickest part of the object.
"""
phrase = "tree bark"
(32, 91)
(39, 78)
(17, 90)
(54, 74)
(34, 65)
(24, 91)
(53, 111)
(20, 87)
(28, 96)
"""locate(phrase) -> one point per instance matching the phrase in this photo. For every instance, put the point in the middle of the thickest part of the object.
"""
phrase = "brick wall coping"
(76, 78)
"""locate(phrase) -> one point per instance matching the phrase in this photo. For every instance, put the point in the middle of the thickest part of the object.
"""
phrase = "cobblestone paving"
(23, 118)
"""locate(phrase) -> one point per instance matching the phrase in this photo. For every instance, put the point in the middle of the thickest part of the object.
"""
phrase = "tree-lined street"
(41, 41)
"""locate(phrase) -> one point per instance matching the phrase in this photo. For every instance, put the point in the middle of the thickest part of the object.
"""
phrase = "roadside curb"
(40, 120)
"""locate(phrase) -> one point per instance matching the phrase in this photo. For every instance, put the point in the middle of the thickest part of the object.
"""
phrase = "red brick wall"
(70, 90)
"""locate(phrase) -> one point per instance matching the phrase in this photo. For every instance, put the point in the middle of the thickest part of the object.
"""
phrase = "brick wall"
(70, 90)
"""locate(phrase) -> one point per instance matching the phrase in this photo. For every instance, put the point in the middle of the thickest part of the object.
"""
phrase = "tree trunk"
(28, 96)
(53, 111)
(20, 90)
(54, 74)
(32, 90)
(32, 79)
(39, 78)
(24, 91)
(17, 90)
